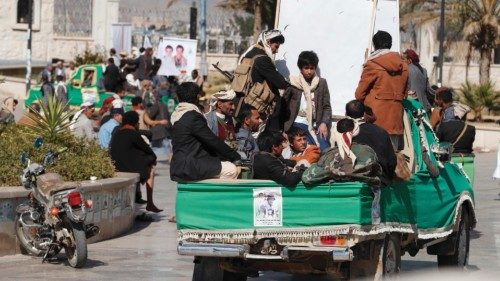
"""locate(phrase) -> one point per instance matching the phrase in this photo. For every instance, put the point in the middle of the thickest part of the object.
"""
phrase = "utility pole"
(441, 46)
(203, 38)
(28, 51)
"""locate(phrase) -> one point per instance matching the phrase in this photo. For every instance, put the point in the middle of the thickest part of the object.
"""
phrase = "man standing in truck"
(383, 86)
(264, 71)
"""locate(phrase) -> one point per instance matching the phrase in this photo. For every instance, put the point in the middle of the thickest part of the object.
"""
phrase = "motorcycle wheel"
(25, 235)
(76, 248)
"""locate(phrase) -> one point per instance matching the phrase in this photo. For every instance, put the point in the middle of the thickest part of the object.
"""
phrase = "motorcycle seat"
(50, 183)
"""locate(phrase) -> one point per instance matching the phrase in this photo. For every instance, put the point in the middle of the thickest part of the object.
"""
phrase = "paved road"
(148, 252)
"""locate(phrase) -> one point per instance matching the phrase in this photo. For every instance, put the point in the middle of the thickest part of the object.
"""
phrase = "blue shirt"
(105, 132)
(246, 143)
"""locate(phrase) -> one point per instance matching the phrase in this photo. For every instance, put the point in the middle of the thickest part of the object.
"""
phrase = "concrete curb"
(113, 208)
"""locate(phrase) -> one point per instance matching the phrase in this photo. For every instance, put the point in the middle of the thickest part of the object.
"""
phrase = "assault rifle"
(226, 73)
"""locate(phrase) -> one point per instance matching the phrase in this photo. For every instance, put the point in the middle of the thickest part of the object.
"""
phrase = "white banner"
(177, 55)
(339, 32)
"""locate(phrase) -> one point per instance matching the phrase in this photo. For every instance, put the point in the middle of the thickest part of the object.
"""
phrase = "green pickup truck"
(234, 229)
(85, 81)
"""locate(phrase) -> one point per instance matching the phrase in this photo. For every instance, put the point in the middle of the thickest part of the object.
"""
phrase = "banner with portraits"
(177, 55)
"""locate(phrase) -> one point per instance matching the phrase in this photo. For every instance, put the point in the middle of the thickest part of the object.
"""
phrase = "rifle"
(226, 73)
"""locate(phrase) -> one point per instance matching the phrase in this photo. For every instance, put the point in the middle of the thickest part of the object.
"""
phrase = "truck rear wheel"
(460, 256)
(390, 257)
(208, 269)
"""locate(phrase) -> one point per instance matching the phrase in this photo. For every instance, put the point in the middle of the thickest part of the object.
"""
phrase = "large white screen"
(339, 32)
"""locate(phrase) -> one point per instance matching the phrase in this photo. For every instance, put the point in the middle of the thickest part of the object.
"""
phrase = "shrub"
(479, 97)
(79, 162)
(90, 57)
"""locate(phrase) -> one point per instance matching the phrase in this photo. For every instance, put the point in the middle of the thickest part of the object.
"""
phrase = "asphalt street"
(148, 252)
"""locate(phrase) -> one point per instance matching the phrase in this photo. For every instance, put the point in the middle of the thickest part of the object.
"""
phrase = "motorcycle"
(53, 219)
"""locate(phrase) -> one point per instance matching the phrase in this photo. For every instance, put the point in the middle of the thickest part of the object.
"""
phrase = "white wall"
(45, 44)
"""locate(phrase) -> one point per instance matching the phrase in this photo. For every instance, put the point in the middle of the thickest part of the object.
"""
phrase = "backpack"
(258, 95)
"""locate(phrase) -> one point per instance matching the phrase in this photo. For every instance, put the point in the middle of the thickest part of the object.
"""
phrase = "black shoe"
(141, 201)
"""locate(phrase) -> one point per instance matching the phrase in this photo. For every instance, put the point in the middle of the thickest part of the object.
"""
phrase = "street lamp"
(441, 45)
(28, 51)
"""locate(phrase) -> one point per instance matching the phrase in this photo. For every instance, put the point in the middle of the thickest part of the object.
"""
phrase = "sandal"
(172, 219)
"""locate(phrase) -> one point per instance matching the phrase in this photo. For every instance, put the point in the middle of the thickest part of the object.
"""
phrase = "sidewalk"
(148, 252)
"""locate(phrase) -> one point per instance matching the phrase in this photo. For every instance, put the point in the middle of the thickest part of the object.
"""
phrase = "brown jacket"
(383, 85)
(323, 108)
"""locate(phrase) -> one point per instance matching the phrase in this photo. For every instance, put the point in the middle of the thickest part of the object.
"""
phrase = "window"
(23, 11)
(73, 18)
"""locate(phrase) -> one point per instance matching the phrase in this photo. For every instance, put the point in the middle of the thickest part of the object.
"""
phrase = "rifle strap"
(461, 135)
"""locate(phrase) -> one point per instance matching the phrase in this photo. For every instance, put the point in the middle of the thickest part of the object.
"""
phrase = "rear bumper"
(243, 251)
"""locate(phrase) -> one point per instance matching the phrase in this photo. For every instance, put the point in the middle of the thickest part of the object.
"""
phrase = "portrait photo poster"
(177, 55)
(267, 207)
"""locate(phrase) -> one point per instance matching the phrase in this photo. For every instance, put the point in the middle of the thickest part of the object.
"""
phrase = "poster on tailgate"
(267, 207)
(177, 56)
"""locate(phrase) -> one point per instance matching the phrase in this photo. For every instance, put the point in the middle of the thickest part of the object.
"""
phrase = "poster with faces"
(177, 56)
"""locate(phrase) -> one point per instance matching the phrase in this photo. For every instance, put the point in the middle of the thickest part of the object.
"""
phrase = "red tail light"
(74, 199)
(330, 240)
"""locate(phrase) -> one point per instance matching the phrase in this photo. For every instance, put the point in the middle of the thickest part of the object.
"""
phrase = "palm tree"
(474, 20)
(262, 10)
(481, 31)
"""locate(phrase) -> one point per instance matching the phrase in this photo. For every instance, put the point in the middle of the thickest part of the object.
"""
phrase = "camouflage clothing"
(332, 167)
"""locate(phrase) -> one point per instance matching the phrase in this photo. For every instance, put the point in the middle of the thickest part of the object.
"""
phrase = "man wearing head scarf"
(220, 118)
(382, 87)
(106, 130)
(264, 71)
(418, 82)
(81, 125)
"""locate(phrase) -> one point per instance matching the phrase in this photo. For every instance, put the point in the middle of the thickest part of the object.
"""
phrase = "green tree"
(481, 31)
(264, 12)
(479, 97)
(476, 21)
(89, 57)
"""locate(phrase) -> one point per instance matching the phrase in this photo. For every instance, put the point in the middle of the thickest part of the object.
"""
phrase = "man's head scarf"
(223, 95)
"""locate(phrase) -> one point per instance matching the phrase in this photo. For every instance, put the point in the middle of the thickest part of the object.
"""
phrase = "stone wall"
(46, 45)
(113, 209)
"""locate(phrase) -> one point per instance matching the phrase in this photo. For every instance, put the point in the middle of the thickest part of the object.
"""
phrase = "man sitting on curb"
(82, 125)
(106, 130)
(198, 153)
(302, 152)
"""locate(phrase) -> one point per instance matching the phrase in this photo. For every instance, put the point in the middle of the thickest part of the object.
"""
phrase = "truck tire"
(460, 257)
(208, 269)
(391, 255)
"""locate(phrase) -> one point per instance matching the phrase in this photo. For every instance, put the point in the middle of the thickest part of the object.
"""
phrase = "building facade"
(61, 29)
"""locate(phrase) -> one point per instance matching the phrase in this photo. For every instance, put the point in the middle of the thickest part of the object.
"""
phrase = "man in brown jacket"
(383, 86)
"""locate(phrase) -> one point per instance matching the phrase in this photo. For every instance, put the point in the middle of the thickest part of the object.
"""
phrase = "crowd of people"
(274, 126)
(280, 138)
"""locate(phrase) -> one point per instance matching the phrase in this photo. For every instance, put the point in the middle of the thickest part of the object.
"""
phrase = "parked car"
(86, 81)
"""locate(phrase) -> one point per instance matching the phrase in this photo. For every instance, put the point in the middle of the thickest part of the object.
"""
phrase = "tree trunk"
(484, 66)
(257, 24)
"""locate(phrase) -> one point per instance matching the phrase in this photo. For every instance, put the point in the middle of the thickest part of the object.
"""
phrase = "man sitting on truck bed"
(268, 163)
(375, 137)
(197, 152)
(302, 152)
